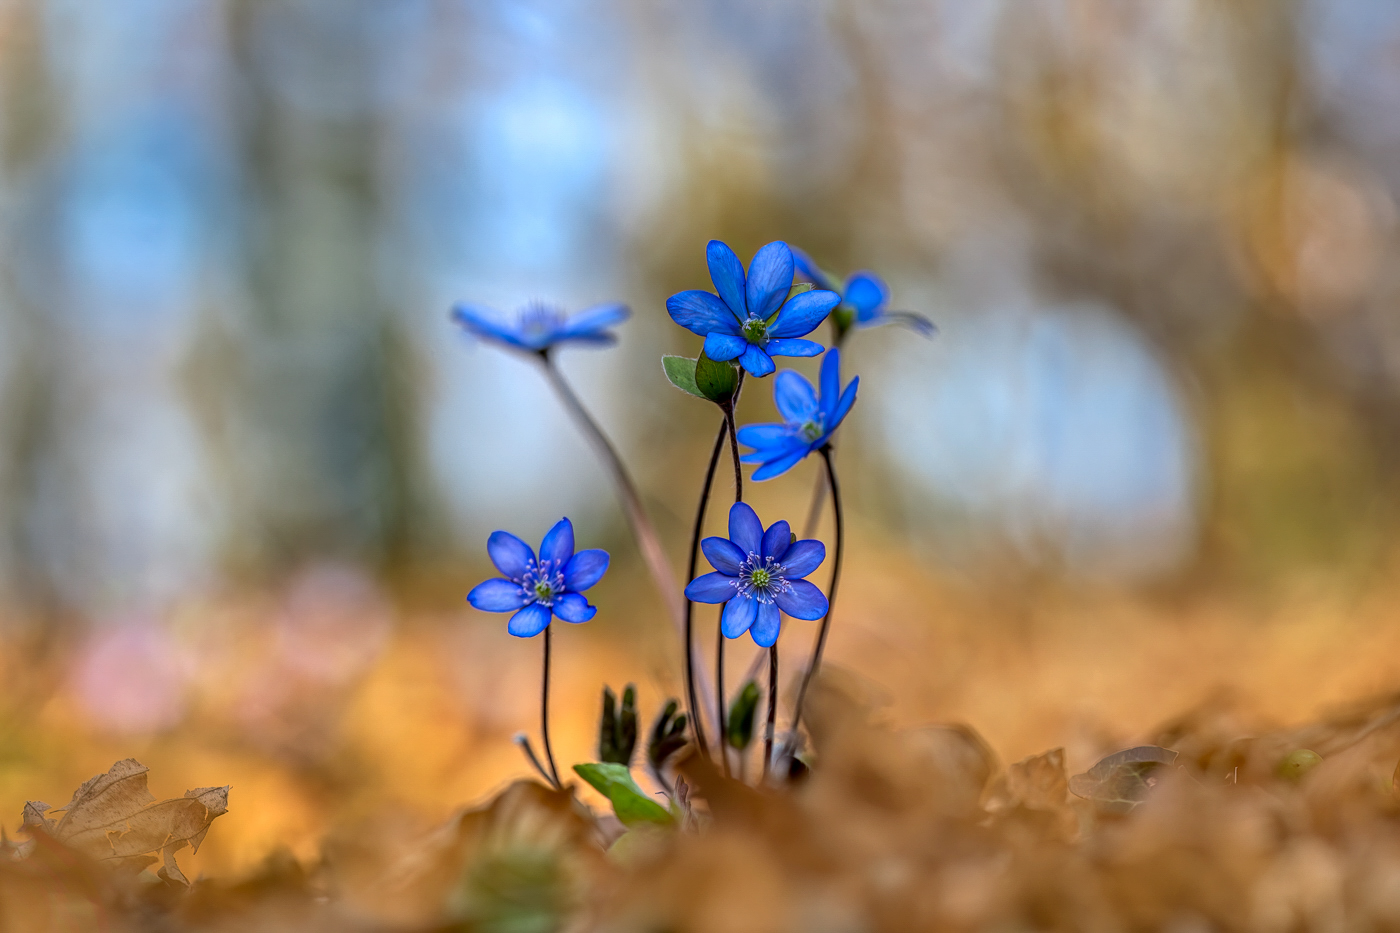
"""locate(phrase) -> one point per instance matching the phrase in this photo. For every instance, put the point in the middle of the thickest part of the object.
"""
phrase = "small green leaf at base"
(681, 371)
(716, 381)
(630, 803)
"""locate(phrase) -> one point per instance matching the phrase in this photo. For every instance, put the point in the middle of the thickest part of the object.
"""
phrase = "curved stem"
(648, 541)
(544, 711)
(697, 727)
(772, 728)
(647, 538)
(734, 451)
(831, 593)
(720, 696)
(814, 511)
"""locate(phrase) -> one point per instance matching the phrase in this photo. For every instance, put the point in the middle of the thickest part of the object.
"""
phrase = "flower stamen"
(543, 580)
(761, 578)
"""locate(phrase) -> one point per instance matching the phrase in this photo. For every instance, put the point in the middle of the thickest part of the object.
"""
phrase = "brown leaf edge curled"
(114, 819)
(1121, 781)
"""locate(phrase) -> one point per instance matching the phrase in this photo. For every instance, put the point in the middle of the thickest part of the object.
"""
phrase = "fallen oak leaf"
(115, 819)
(1121, 781)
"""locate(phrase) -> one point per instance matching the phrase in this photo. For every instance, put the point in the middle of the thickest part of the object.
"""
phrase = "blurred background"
(247, 466)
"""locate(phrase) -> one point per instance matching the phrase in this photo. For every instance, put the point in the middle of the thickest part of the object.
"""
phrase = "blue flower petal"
(776, 540)
(483, 323)
(867, 293)
(794, 398)
(497, 596)
(745, 530)
(810, 270)
(590, 323)
(790, 346)
(754, 360)
(768, 435)
(803, 313)
(711, 588)
(781, 465)
(769, 454)
(767, 626)
(571, 607)
(722, 347)
(915, 322)
(770, 278)
(802, 601)
(843, 407)
(738, 615)
(723, 555)
(530, 621)
(701, 313)
(585, 569)
(802, 558)
(511, 556)
(558, 543)
(727, 272)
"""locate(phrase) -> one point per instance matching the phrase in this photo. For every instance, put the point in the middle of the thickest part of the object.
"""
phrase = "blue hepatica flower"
(864, 301)
(537, 588)
(808, 418)
(752, 319)
(539, 326)
(757, 573)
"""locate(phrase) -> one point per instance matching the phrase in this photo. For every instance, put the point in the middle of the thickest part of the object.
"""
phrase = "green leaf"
(630, 803)
(681, 371)
(716, 381)
(741, 716)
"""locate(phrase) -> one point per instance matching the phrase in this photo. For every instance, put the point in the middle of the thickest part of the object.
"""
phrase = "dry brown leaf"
(115, 819)
(1121, 781)
(1039, 782)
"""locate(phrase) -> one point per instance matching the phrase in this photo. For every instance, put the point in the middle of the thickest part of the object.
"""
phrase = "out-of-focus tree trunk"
(321, 439)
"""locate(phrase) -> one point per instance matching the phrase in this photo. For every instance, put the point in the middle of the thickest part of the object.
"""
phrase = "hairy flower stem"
(720, 698)
(772, 728)
(648, 541)
(697, 727)
(814, 511)
(720, 695)
(831, 590)
(544, 711)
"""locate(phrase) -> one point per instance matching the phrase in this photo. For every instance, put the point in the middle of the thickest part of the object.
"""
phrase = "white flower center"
(761, 578)
(543, 582)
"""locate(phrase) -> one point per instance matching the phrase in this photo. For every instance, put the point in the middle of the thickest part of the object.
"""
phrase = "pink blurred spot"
(131, 677)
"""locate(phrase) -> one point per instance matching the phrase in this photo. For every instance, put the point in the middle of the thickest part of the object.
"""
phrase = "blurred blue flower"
(757, 573)
(534, 589)
(808, 419)
(539, 326)
(752, 319)
(864, 300)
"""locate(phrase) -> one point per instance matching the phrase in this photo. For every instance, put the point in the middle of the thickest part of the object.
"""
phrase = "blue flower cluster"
(752, 316)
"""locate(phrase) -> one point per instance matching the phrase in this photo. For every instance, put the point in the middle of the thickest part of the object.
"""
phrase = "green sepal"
(630, 803)
(741, 716)
(716, 381)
